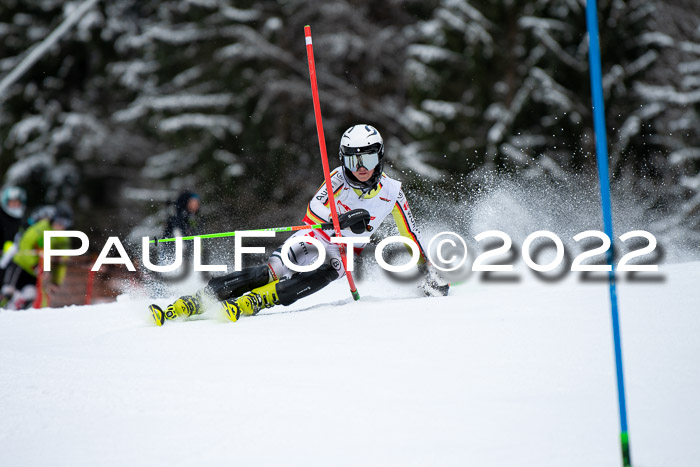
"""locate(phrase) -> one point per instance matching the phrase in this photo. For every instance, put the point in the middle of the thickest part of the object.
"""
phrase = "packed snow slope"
(502, 373)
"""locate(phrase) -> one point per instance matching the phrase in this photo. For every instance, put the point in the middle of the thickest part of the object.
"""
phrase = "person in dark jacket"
(185, 221)
(13, 202)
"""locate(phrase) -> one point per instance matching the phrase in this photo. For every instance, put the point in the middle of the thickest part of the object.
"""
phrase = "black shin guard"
(237, 283)
(305, 283)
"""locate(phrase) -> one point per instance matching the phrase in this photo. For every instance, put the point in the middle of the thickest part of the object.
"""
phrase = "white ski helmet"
(362, 146)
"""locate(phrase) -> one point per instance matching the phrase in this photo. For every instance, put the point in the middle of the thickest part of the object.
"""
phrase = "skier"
(20, 277)
(364, 196)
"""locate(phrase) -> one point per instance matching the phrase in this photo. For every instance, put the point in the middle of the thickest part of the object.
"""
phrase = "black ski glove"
(356, 220)
(432, 285)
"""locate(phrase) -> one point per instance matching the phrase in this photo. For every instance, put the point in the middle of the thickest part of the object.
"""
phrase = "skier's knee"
(305, 284)
(300, 252)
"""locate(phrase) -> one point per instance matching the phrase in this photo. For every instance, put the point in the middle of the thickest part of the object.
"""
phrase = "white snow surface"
(496, 374)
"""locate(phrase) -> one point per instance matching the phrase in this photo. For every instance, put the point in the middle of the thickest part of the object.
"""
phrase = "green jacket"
(32, 242)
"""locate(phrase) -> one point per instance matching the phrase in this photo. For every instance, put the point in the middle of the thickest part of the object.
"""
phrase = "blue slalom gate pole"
(602, 158)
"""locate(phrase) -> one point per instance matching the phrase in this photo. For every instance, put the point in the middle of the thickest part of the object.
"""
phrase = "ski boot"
(251, 303)
(184, 307)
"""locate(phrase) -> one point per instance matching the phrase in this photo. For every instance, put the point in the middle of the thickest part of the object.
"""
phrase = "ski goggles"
(356, 161)
(367, 157)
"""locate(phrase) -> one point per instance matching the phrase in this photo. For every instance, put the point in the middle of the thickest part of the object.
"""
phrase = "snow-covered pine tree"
(226, 90)
(668, 127)
(159, 96)
(505, 84)
(55, 135)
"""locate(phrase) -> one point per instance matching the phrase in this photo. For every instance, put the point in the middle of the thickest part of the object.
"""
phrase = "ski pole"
(324, 226)
(604, 180)
(324, 157)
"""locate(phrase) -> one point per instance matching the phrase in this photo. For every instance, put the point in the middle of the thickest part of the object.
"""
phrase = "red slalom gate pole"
(39, 283)
(88, 287)
(324, 157)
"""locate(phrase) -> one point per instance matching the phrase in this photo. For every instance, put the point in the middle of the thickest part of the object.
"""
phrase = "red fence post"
(39, 282)
(88, 290)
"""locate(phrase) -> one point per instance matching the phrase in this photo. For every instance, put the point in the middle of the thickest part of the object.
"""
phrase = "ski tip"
(157, 314)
